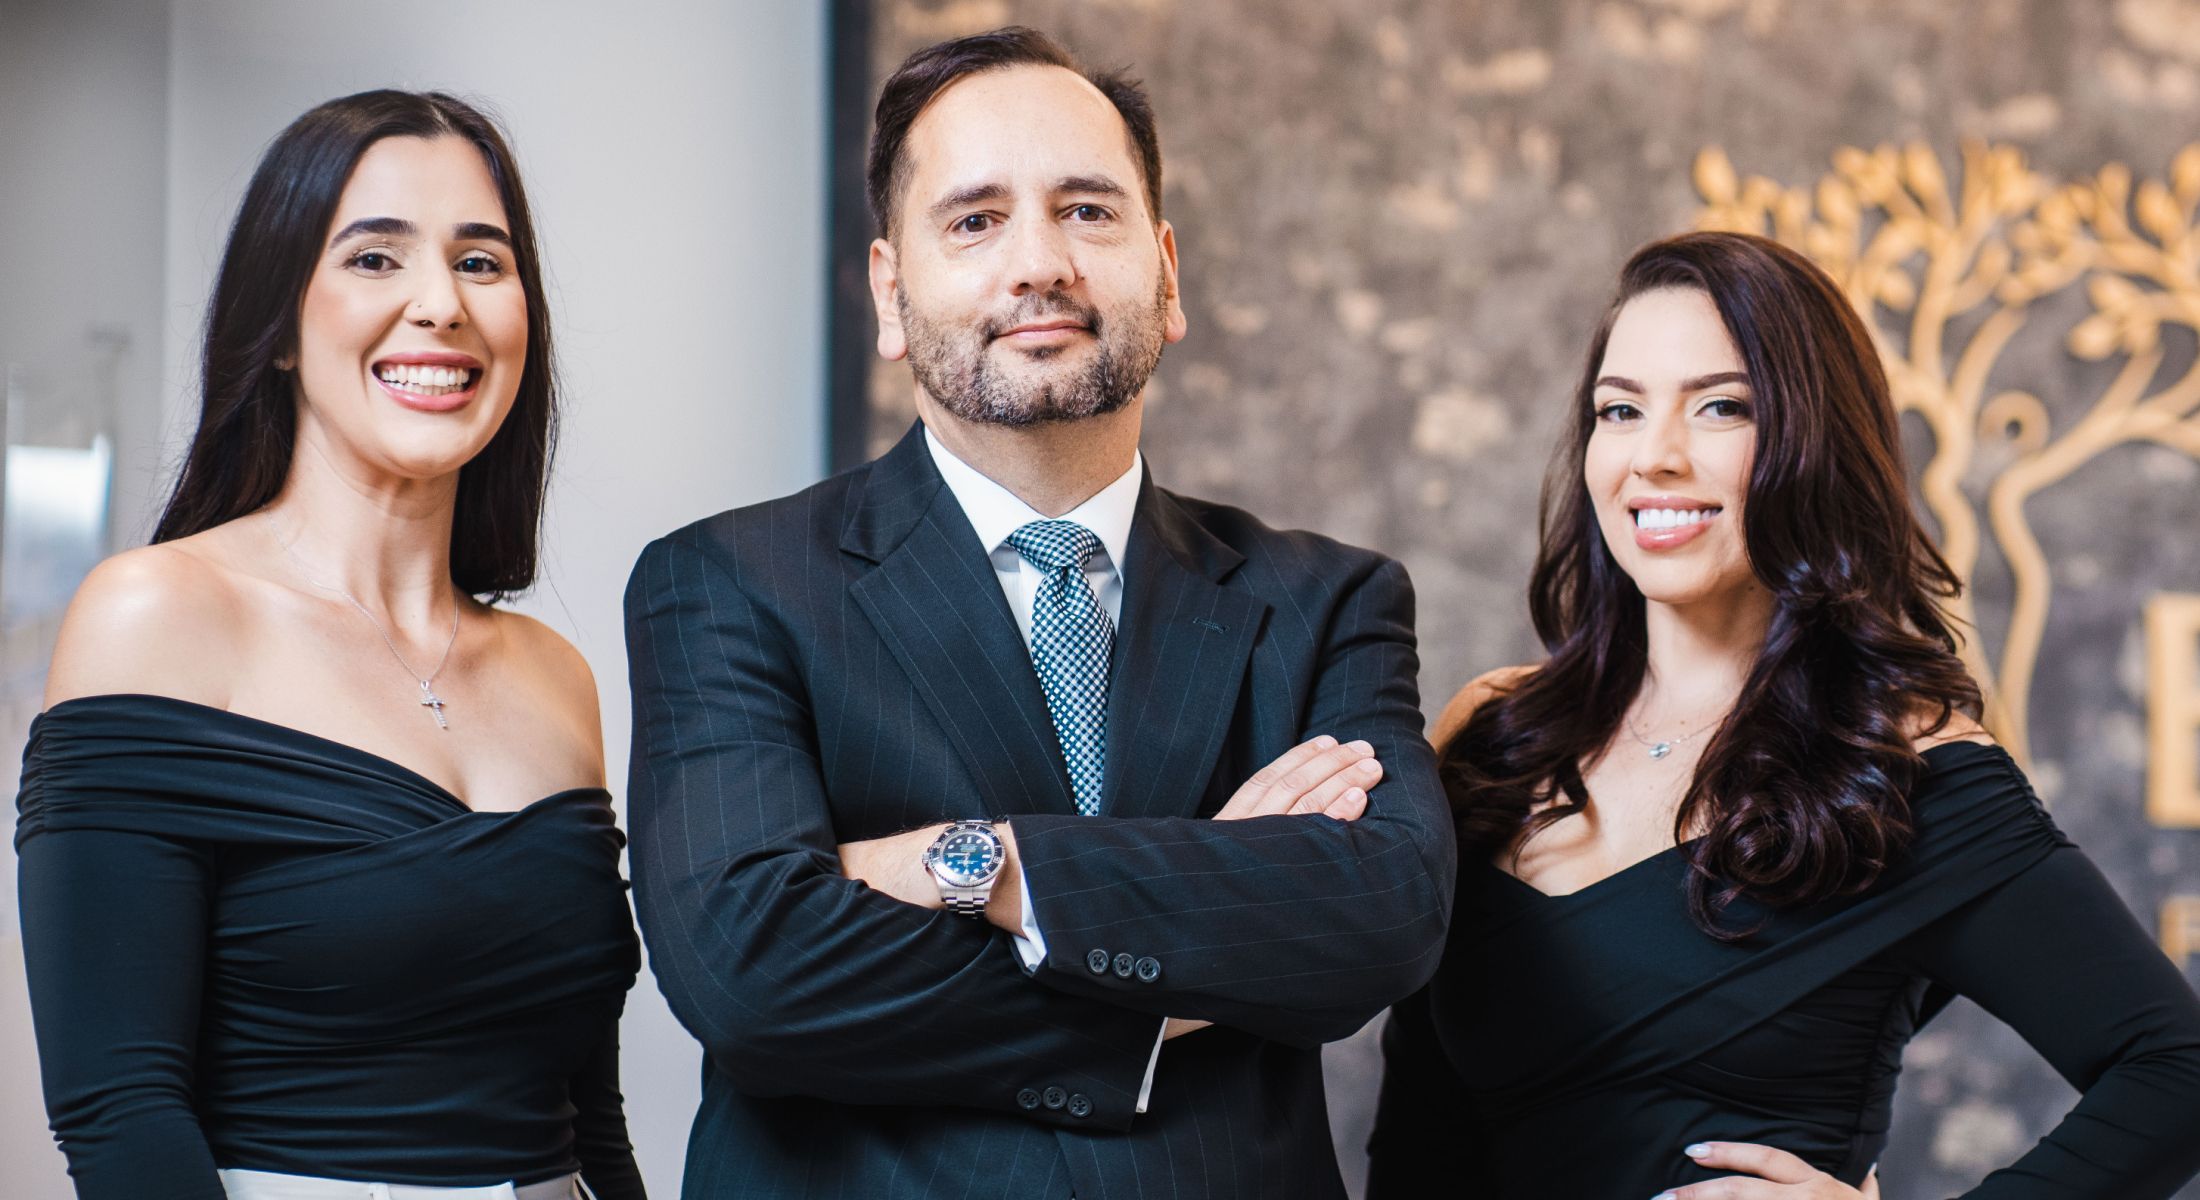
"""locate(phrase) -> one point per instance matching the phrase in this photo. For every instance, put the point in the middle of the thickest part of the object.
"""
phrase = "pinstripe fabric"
(841, 664)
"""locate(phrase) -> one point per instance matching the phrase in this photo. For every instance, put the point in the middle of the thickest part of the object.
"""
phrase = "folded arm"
(797, 980)
(1296, 928)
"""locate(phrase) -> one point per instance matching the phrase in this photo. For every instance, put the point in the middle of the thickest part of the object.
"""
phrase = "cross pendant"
(429, 700)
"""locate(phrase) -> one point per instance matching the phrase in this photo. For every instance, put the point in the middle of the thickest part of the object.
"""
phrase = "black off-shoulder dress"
(1571, 1046)
(249, 946)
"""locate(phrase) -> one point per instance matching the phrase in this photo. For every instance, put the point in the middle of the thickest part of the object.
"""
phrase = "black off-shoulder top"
(249, 946)
(1573, 1045)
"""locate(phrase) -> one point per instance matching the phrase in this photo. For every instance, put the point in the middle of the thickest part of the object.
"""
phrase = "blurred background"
(1399, 220)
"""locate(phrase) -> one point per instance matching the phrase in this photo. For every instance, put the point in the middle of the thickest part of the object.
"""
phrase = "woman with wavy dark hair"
(320, 883)
(1740, 835)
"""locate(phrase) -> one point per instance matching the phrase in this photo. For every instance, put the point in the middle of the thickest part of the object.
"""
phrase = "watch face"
(969, 857)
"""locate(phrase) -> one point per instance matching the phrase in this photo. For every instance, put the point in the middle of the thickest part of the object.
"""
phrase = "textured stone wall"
(1399, 220)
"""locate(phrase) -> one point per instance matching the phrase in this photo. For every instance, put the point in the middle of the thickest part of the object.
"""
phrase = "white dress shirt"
(995, 513)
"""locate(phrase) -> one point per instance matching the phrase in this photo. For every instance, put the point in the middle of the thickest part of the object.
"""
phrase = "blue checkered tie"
(1070, 639)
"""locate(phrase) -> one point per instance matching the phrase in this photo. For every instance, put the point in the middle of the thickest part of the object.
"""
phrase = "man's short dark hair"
(929, 71)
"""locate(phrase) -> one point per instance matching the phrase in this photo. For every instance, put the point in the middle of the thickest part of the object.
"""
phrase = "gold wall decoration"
(2181, 928)
(1918, 253)
(2173, 711)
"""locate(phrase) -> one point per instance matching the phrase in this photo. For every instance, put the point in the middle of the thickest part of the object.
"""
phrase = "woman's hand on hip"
(1777, 1174)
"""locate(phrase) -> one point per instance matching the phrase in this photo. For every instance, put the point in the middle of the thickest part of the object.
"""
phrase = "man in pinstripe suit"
(1005, 825)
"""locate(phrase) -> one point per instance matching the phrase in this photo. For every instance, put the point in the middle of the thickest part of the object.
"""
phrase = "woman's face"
(413, 332)
(1669, 457)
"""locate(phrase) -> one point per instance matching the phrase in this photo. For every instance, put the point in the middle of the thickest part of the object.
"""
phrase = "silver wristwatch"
(964, 861)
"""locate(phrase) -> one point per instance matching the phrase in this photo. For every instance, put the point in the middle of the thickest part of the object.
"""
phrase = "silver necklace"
(1658, 749)
(428, 699)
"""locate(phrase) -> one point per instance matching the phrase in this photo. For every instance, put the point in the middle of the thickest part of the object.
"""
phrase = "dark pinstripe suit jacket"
(841, 664)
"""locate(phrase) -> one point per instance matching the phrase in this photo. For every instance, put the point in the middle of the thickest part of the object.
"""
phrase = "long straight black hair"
(1802, 794)
(248, 418)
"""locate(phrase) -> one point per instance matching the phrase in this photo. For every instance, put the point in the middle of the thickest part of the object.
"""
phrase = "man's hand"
(1314, 777)
(1318, 776)
(894, 865)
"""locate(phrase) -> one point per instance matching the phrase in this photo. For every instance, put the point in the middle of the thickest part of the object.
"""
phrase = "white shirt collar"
(995, 512)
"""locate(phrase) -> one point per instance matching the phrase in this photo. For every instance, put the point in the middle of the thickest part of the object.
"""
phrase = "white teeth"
(424, 380)
(1672, 518)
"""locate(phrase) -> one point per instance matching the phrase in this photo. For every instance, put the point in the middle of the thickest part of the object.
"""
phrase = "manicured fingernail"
(1363, 747)
(1325, 741)
(1663, 1196)
(1697, 1151)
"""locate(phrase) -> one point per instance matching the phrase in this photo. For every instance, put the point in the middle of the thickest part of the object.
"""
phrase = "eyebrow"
(384, 226)
(1092, 185)
(1699, 383)
(468, 231)
(479, 231)
(977, 193)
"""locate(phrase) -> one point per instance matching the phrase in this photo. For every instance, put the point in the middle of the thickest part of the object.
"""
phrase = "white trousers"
(268, 1185)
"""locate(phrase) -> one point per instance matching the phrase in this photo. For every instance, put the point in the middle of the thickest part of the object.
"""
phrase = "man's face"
(1026, 281)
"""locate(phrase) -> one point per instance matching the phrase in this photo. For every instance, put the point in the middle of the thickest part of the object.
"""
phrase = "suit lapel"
(1179, 661)
(935, 601)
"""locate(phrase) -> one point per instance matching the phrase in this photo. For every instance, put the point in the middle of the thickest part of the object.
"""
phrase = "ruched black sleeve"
(599, 1126)
(252, 947)
(2056, 955)
(114, 937)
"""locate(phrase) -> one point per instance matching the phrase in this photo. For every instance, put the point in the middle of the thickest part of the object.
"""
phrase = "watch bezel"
(950, 877)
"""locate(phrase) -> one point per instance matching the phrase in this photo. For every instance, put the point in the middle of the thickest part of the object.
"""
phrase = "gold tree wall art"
(1947, 273)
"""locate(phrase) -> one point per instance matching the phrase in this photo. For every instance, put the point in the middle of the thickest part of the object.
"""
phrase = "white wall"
(675, 156)
(83, 90)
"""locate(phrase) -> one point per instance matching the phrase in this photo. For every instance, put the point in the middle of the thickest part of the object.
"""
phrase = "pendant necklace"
(428, 699)
(1658, 749)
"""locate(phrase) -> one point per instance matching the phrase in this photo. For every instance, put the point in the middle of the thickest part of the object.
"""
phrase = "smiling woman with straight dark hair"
(1740, 835)
(320, 882)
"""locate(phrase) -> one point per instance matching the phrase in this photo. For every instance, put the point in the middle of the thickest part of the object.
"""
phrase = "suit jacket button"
(1027, 1099)
(1056, 1097)
(1149, 969)
(1079, 1106)
(1097, 962)
(1123, 966)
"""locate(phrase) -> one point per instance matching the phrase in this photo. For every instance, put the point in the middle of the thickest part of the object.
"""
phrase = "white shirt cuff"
(1031, 945)
(1152, 1061)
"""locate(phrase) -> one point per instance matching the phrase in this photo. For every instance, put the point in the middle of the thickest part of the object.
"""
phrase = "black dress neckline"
(1643, 864)
(312, 959)
(368, 759)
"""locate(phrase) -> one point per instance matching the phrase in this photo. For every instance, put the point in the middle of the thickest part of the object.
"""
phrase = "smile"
(1670, 522)
(430, 386)
(1672, 518)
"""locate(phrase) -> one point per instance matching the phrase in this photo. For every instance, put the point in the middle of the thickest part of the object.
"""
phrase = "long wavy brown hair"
(1802, 793)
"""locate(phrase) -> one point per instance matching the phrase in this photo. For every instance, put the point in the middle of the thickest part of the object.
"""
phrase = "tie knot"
(1053, 545)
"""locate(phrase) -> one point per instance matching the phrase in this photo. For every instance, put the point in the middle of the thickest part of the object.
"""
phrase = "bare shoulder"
(1485, 687)
(546, 658)
(1959, 728)
(164, 620)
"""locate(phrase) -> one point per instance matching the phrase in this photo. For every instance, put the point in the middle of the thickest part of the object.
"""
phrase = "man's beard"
(954, 368)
